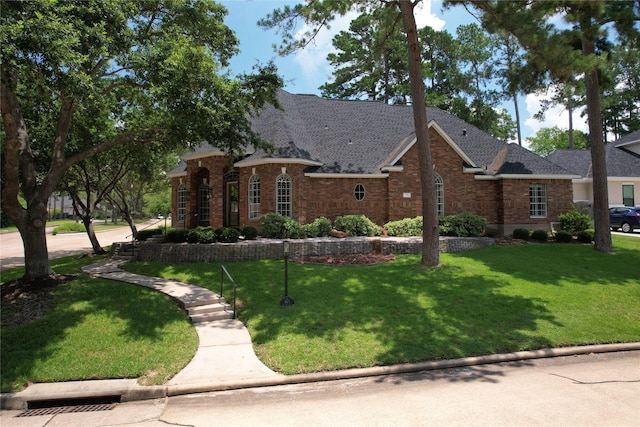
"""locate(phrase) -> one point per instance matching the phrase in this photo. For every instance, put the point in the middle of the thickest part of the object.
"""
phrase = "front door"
(232, 213)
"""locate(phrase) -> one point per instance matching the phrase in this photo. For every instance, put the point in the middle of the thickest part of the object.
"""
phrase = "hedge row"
(459, 225)
(562, 236)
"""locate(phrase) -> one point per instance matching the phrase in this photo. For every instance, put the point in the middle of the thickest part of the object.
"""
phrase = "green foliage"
(405, 227)
(548, 140)
(356, 225)
(521, 233)
(277, 226)
(202, 235)
(228, 234)
(158, 203)
(585, 236)
(574, 222)
(563, 237)
(311, 230)
(147, 233)
(177, 235)
(463, 224)
(540, 235)
(69, 227)
(249, 233)
(324, 226)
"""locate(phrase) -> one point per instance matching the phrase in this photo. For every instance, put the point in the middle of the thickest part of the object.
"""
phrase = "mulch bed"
(24, 301)
(350, 259)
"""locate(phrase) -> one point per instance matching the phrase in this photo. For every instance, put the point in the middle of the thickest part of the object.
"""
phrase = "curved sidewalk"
(225, 358)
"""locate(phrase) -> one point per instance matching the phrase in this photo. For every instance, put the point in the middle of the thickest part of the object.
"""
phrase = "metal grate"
(68, 409)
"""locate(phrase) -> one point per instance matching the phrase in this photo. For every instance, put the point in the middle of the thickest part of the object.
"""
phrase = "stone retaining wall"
(271, 248)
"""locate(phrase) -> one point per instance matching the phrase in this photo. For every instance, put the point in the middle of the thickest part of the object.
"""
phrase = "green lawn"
(497, 299)
(493, 300)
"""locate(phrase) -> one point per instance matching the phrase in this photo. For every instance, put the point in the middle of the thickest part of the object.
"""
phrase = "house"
(623, 172)
(338, 157)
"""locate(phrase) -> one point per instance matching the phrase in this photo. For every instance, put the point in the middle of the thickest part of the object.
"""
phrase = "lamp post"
(287, 300)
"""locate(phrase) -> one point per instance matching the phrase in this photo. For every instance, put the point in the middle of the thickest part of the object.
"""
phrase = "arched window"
(181, 203)
(283, 195)
(440, 194)
(204, 195)
(254, 197)
(359, 192)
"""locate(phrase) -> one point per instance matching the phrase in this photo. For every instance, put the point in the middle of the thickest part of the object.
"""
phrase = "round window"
(359, 192)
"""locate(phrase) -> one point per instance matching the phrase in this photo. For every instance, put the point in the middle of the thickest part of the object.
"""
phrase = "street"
(587, 390)
(61, 245)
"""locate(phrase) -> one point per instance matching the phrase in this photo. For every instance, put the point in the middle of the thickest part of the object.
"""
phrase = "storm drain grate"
(68, 409)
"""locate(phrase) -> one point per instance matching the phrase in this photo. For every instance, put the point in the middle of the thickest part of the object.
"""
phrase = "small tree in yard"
(80, 78)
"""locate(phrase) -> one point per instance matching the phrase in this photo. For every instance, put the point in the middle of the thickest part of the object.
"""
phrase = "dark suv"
(624, 218)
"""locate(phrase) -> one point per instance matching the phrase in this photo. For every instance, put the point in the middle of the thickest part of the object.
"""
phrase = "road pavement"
(584, 390)
(61, 245)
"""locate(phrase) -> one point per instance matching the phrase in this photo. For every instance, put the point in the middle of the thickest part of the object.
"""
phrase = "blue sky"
(305, 71)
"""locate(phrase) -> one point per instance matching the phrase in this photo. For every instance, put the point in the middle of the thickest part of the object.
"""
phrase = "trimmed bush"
(324, 226)
(564, 237)
(521, 233)
(249, 233)
(147, 233)
(356, 225)
(276, 226)
(463, 225)
(177, 235)
(407, 227)
(540, 235)
(585, 236)
(201, 235)
(227, 234)
(574, 222)
(71, 227)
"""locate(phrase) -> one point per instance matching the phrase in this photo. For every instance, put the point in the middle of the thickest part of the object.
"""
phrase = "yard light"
(287, 300)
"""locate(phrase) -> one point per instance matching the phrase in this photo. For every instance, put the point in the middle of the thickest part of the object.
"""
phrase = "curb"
(129, 390)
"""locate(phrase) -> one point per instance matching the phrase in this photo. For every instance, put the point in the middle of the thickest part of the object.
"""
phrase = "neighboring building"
(338, 157)
(623, 172)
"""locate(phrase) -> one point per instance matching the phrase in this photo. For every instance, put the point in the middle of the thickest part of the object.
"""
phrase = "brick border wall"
(272, 249)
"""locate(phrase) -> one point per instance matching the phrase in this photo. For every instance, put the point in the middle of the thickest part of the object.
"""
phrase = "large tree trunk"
(602, 236)
(430, 231)
(88, 225)
(36, 256)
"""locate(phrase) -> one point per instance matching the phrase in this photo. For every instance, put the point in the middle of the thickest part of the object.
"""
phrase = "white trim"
(392, 169)
(554, 177)
(346, 175)
(272, 160)
(176, 174)
(471, 170)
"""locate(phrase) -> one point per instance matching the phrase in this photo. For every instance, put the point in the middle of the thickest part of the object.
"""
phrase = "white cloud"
(312, 60)
(554, 116)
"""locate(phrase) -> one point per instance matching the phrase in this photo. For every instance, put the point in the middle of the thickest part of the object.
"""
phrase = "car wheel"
(627, 228)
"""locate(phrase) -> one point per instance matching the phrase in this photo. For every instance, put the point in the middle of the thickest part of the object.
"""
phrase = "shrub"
(249, 233)
(356, 225)
(462, 225)
(324, 226)
(585, 236)
(405, 227)
(177, 235)
(564, 236)
(276, 226)
(574, 221)
(148, 233)
(227, 234)
(521, 233)
(311, 230)
(540, 235)
(201, 235)
(71, 227)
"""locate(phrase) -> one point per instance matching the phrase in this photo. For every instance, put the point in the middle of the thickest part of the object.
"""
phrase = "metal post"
(287, 300)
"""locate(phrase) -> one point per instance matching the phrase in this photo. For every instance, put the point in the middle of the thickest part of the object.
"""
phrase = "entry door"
(232, 213)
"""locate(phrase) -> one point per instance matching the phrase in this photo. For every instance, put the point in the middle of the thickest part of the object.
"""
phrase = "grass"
(493, 300)
(96, 329)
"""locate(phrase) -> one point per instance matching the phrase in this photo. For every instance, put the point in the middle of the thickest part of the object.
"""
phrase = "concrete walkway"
(225, 359)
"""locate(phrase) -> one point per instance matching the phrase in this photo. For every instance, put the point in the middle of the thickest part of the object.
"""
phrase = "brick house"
(338, 157)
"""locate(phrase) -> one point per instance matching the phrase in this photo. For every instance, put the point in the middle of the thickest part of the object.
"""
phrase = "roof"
(333, 136)
(632, 138)
(620, 161)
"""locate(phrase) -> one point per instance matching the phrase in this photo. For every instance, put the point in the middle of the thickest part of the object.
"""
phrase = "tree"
(548, 140)
(318, 14)
(152, 68)
(554, 47)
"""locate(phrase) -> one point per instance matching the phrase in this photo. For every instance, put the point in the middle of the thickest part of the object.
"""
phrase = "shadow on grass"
(91, 329)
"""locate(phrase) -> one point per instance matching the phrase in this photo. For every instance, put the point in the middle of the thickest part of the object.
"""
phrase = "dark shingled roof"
(352, 136)
(627, 139)
(620, 162)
